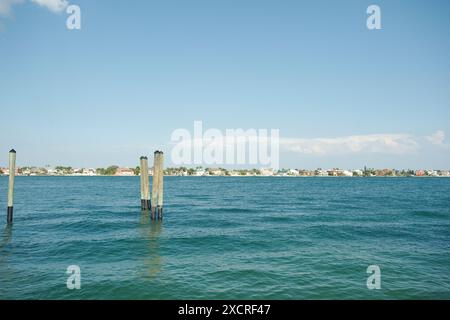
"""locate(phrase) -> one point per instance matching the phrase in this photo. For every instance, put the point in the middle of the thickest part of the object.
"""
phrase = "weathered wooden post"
(146, 185)
(155, 185)
(145, 190)
(12, 173)
(160, 185)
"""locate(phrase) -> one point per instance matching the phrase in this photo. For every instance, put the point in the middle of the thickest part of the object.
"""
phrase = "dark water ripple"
(233, 238)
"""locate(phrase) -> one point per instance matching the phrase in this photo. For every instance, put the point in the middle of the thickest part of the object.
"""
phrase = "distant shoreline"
(116, 171)
(212, 176)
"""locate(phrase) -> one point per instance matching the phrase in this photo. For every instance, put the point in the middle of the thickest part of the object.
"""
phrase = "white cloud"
(53, 5)
(375, 143)
(437, 138)
(393, 144)
(6, 6)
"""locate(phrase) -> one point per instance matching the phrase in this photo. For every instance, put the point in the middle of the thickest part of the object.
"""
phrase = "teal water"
(228, 238)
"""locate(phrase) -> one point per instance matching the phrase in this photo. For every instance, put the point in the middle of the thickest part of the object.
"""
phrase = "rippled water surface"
(225, 237)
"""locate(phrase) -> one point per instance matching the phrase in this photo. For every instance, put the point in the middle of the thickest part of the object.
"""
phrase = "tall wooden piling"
(145, 189)
(155, 184)
(157, 187)
(160, 185)
(12, 173)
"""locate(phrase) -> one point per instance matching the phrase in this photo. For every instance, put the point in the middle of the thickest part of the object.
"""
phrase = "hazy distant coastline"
(117, 171)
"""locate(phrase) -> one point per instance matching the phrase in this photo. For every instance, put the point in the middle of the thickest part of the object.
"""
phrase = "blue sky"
(341, 95)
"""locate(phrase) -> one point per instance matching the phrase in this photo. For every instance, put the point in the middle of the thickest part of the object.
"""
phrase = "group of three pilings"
(156, 202)
(157, 191)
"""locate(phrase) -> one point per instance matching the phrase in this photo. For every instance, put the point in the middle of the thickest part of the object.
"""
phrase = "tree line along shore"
(115, 170)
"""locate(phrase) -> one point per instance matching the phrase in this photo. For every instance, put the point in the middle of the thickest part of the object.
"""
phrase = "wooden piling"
(160, 184)
(146, 185)
(12, 173)
(155, 185)
(145, 189)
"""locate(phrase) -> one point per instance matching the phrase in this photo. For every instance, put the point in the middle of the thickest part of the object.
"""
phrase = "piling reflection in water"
(6, 269)
(6, 272)
(151, 231)
(6, 239)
